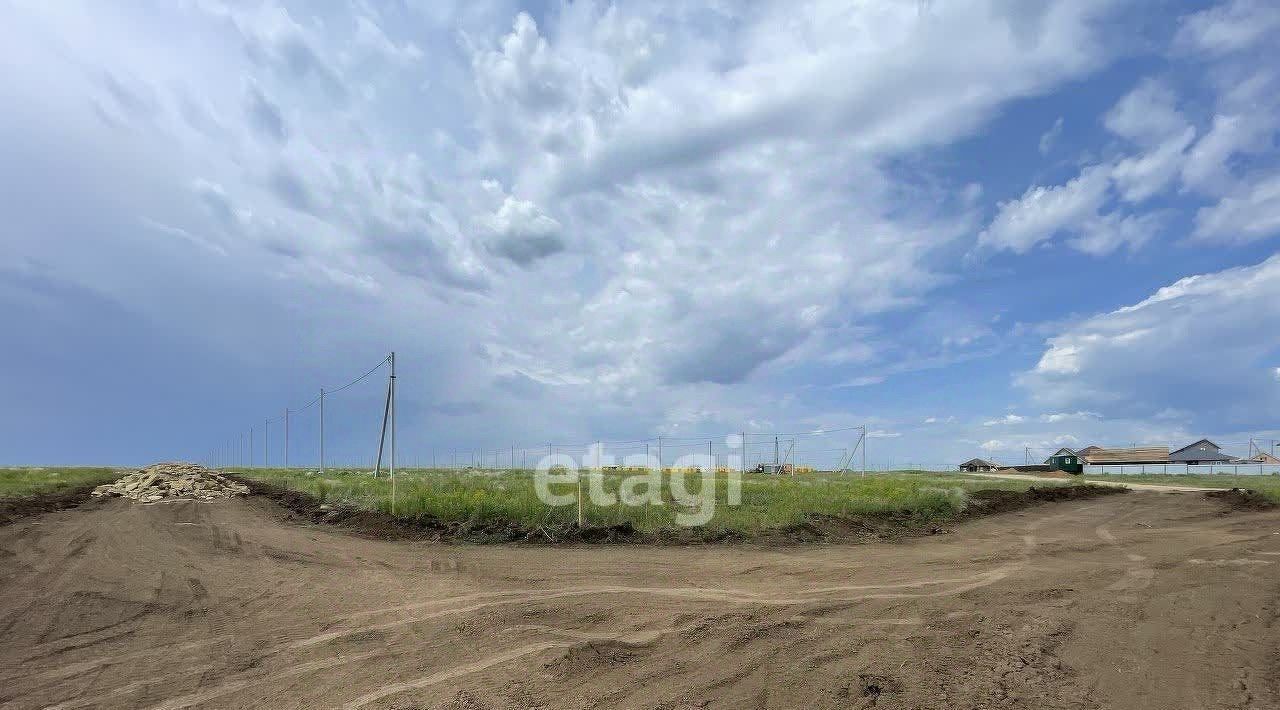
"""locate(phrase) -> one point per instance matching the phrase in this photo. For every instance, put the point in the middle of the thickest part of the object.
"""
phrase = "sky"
(975, 228)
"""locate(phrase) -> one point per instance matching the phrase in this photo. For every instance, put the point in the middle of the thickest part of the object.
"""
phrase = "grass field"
(32, 480)
(479, 498)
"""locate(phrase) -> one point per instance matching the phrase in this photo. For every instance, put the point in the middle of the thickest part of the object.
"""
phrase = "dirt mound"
(986, 502)
(12, 509)
(173, 480)
(1243, 499)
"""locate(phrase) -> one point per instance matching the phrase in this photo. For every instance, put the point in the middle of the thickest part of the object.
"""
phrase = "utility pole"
(393, 432)
(251, 446)
(286, 437)
(266, 443)
(864, 450)
(659, 453)
(775, 456)
(744, 452)
(321, 431)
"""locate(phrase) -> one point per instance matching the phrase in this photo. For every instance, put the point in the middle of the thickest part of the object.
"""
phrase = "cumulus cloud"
(1150, 356)
(1006, 419)
(691, 198)
(522, 233)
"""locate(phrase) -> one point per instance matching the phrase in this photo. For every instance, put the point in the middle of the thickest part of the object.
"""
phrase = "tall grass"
(31, 480)
(478, 498)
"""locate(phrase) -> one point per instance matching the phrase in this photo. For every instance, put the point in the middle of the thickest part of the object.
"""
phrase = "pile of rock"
(173, 480)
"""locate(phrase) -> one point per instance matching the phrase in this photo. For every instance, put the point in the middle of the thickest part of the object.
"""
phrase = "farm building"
(1263, 457)
(1065, 459)
(1203, 451)
(978, 465)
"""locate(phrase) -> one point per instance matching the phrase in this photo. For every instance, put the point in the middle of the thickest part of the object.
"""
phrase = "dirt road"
(1155, 487)
(1135, 601)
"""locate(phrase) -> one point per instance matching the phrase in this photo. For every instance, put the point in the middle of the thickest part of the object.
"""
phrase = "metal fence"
(1234, 469)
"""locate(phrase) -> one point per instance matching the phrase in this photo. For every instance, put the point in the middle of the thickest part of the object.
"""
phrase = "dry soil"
(1146, 600)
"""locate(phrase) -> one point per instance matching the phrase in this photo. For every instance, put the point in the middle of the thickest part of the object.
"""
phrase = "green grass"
(31, 480)
(1268, 485)
(478, 498)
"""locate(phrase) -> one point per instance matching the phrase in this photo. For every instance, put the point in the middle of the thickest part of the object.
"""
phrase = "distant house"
(1066, 460)
(1203, 451)
(1263, 457)
(973, 465)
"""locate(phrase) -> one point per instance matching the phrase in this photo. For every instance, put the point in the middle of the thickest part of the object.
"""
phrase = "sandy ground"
(1143, 600)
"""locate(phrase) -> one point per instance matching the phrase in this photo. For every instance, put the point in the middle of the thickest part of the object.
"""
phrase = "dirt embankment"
(18, 507)
(1243, 499)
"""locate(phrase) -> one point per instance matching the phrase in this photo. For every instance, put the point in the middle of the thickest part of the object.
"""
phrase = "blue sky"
(976, 227)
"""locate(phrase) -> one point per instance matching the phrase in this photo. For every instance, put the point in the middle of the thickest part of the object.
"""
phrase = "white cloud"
(1153, 355)
(1148, 115)
(1056, 417)
(1247, 215)
(371, 36)
(1142, 176)
(882, 434)
(1207, 167)
(736, 195)
(864, 381)
(1050, 137)
(1105, 234)
(523, 233)
(1006, 419)
(1042, 212)
(1229, 27)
